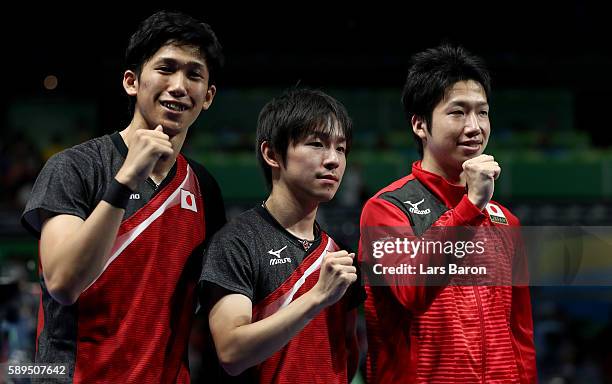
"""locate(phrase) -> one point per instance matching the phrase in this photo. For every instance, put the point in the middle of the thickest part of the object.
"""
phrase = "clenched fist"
(146, 148)
(480, 174)
(337, 273)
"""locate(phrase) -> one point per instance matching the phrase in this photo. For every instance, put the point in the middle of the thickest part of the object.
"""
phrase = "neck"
(296, 217)
(163, 166)
(449, 173)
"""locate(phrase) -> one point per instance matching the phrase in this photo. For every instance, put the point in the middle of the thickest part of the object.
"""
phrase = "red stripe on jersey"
(318, 353)
(284, 295)
(134, 320)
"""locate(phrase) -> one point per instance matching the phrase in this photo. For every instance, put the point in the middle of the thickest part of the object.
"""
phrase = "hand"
(481, 173)
(336, 274)
(146, 148)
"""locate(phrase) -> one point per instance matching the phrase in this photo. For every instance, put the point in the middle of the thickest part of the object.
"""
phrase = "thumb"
(159, 128)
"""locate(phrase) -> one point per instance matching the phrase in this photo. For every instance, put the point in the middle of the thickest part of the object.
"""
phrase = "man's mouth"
(471, 144)
(328, 177)
(174, 106)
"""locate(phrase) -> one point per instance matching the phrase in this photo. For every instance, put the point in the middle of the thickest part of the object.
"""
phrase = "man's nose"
(178, 84)
(331, 160)
(472, 126)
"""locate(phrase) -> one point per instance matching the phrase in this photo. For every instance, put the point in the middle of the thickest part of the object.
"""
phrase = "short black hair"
(293, 116)
(432, 73)
(165, 27)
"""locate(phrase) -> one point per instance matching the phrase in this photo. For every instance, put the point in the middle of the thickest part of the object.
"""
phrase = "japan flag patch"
(496, 214)
(188, 201)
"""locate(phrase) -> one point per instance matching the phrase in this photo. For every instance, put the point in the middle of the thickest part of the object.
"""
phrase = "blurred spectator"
(20, 163)
(18, 306)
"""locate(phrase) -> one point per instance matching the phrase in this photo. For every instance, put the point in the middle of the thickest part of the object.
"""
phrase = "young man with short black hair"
(442, 332)
(122, 219)
(281, 294)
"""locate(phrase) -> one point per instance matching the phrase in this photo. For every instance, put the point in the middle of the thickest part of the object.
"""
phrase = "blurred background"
(551, 133)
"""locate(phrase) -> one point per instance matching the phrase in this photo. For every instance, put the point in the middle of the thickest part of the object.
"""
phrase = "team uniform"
(445, 333)
(132, 323)
(255, 256)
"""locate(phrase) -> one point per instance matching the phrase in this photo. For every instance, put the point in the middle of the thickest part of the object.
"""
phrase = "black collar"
(266, 215)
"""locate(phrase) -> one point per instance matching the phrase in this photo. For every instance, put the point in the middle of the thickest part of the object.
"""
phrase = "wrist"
(316, 302)
(479, 202)
(117, 194)
(126, 180)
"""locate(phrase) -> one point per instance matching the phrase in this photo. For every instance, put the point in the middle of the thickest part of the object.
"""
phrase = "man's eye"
(484, 113)
(195, 75)
(315, 144)
(341, 149)
(458, 113)
(164, 69)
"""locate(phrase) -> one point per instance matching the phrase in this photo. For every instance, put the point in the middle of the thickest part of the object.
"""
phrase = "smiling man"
(122, 220)
(446, 333)
(274, 283)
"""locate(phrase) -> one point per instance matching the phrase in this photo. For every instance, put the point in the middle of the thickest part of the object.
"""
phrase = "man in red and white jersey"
(280, 293)
(122, 219)
(442, 332)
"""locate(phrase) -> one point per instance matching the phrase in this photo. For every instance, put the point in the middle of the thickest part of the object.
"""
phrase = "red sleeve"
(521, 321)
(521, 324)
(379, 213)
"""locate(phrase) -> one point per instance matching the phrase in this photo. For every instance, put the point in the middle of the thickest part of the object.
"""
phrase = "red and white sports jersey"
(318, 353)
(448, 333)
(255, 256)
(133, 322)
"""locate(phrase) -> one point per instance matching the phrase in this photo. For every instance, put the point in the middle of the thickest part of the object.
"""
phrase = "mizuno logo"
(278, 259)
(415, 209)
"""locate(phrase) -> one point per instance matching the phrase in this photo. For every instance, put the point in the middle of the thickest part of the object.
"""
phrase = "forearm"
(73, 252)
(251, 344)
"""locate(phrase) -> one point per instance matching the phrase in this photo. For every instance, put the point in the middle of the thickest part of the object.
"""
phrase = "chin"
(467, 156)
(172, 128)
(326, 197)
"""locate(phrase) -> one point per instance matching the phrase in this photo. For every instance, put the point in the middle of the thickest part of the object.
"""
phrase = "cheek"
(487, 128)
(199, 93)
(145, 86)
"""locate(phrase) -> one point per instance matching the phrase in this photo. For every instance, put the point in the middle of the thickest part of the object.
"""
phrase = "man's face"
(460, 126)
(173, 88)
(314, 167)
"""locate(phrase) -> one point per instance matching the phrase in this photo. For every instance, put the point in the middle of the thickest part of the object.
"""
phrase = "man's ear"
(130, 82)
(269, 155)
(419, 127)
(208, 98)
